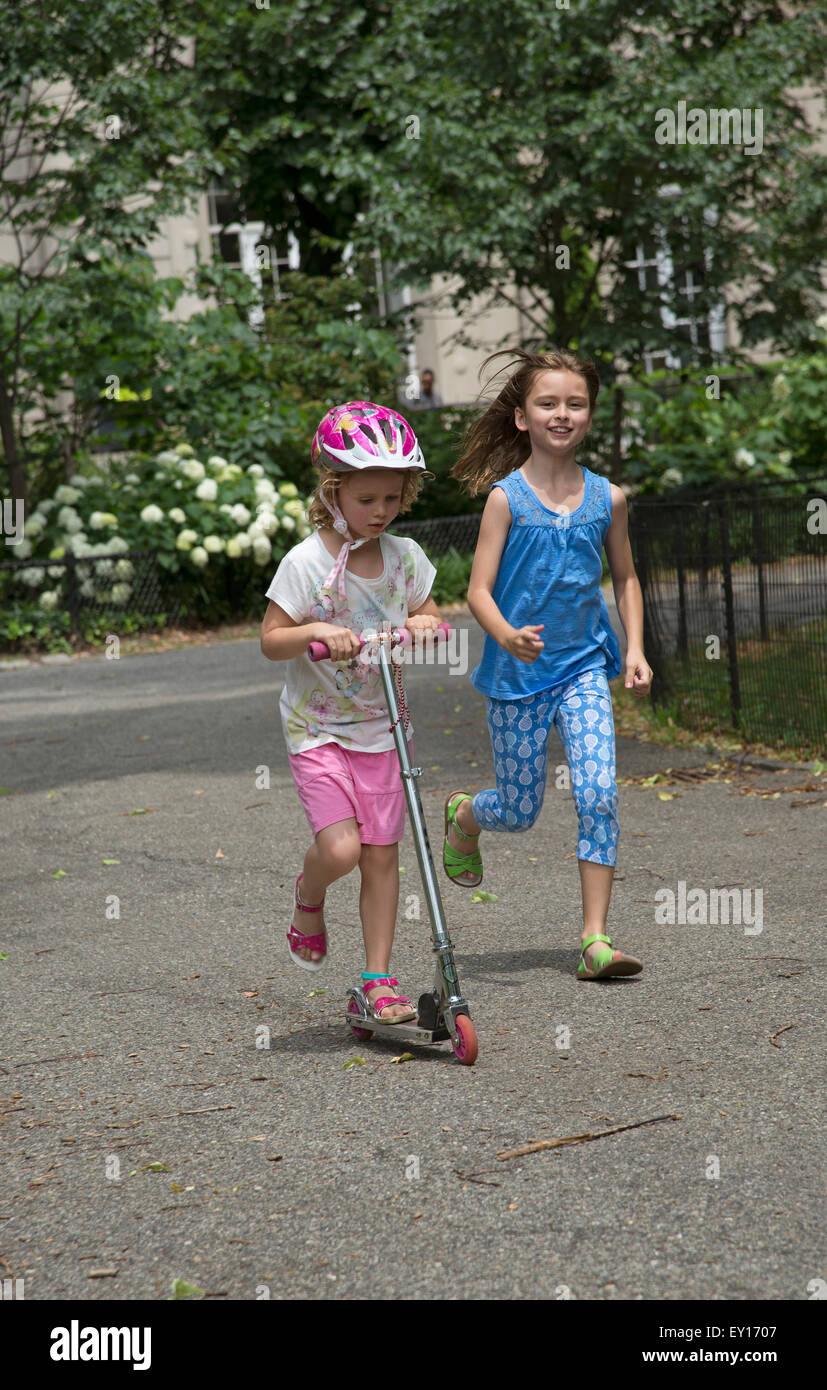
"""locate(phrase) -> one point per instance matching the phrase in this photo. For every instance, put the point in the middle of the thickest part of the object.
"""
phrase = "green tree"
(517, 151)
(98, 141)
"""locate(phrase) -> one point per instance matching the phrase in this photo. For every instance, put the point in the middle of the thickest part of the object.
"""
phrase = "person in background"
(429, 398)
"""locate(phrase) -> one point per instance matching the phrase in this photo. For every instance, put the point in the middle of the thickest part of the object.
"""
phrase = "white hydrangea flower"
(288, 490)
(303, 529)
(116, 546)
(264, 490)
(217, 464)
(208, 490)
(168, 458)
(77, 480)
(104, 568)
(79, 545)
(255, 471)
(821, 322)
(262, 550)
(199, 556)
(785, 457)
(234, 470)
(191, 468)
(744, 459)
(672, 477)
(152, 514)
(124, 569)
(46, 507)
(66, 494)
(233, 548)
(68, 520)
(177, 515)
(23, 549)
(55, 571)
(57, 552)
(130, 478)
(87, 588)
(265, 524)
(186, 540)
(184, 451)
(34, 525)
(226, 509)
(33, 577)
(288, 523)
(240, 514)
(49, 600)
(214, 545)
(780, 387)
(100, 519)
(243, 541)
(294, 508)
(121, 592)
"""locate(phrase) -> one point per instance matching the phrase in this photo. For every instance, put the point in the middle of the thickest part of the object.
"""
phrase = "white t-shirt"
(344, 701)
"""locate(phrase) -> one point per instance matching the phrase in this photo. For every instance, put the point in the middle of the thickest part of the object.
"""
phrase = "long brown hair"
(493, 446)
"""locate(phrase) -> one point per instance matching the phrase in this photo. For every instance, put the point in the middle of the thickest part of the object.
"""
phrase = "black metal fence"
(735, 607)
(75, 595)
(443, 533)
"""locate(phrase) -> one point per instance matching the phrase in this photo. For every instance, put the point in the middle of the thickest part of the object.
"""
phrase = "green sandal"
(602, 961)
(453, 862)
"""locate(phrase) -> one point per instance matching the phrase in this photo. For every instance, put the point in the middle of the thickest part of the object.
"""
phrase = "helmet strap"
(337, 574)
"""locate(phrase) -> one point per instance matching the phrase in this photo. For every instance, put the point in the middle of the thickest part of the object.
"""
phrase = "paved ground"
(131, 1042)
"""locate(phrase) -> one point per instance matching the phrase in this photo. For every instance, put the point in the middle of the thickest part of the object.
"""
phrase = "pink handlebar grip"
(319, 651)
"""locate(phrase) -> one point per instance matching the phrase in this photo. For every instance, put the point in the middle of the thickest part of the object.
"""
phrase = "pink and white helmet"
(363, 435)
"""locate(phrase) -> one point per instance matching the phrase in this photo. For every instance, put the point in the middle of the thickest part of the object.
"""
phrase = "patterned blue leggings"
(581, 710)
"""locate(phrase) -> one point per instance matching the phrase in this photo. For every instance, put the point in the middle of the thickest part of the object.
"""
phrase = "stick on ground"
(537, 1144)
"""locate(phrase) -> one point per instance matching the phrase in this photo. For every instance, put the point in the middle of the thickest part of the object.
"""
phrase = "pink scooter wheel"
(361, 1033)
(465, 1047)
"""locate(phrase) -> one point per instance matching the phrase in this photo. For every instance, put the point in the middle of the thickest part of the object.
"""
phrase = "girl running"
(346, 578)
(537, 570)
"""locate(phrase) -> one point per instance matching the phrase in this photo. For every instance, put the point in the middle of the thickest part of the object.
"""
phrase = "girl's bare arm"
(494, 527)
(628, 595)
(282, 638)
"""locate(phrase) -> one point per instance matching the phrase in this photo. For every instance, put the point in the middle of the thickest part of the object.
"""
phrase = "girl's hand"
(524, 643)
(340, 641)
(638, 672)
(420, 624)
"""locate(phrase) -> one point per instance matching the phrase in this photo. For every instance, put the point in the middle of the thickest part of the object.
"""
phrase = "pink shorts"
(336, 783)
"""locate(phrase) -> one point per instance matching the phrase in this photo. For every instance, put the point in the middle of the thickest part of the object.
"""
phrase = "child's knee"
(341, 852)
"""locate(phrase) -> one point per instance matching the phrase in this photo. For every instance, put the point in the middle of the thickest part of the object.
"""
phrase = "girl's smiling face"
(557, 413)
(370, 499)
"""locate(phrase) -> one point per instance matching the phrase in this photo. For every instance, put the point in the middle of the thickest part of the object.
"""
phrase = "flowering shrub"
(213, 526)
(771, 427)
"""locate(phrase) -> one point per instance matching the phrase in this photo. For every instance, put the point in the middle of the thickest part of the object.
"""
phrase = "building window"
(678, 272)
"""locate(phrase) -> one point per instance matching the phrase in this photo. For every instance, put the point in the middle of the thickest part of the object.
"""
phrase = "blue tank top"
(550, 572)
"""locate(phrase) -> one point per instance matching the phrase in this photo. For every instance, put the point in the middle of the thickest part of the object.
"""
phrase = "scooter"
(442, 1012)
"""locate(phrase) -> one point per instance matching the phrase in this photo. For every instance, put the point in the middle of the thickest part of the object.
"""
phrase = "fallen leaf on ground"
(181, 1289)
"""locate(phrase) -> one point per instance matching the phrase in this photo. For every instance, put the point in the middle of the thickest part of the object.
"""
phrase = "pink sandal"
(298, 941)
(384, 1000)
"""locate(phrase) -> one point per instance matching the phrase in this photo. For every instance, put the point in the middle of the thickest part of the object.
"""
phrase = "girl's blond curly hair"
(330, 481)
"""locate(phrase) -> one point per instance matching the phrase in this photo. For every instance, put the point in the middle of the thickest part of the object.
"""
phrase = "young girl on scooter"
(537, 570)
(346, 578)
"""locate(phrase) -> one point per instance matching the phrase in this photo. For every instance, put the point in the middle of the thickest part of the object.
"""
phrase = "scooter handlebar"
(319, 651)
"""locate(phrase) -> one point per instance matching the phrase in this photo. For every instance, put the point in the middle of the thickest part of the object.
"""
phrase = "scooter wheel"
(465, 1047)
(361, 1033)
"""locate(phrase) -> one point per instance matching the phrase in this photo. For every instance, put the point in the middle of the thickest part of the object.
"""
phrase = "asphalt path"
(176, 1097)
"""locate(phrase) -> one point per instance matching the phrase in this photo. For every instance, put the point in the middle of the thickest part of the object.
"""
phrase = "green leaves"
(481, 897)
